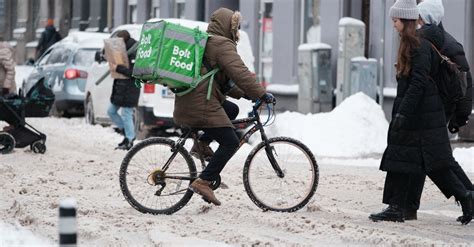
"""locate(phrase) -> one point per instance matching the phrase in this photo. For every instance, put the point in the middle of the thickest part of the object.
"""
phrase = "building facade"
(276, 27)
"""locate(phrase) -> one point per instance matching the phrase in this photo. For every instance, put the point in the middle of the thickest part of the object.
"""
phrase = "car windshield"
(84, 57)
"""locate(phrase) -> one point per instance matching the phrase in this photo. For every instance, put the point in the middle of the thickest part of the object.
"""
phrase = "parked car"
(64, 66)
(154, 114)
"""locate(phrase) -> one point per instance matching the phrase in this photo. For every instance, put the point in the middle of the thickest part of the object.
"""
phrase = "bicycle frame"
(258, 126)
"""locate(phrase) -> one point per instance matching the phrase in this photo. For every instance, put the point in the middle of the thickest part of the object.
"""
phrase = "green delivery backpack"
(171, 55)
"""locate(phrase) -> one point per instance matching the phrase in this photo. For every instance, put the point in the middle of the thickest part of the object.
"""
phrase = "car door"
(57, 63)
(38, 72)
(99, 87)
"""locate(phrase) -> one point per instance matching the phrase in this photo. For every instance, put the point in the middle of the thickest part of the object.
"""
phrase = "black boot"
(123, 142)
(410, 214)
(392, 213)
(467, 205)
(119, 131)
(126, 145)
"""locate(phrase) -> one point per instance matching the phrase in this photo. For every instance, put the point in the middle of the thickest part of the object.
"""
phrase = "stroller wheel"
(38, 147)
(7, 143)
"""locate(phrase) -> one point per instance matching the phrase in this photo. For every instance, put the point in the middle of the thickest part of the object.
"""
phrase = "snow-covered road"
(81, 163)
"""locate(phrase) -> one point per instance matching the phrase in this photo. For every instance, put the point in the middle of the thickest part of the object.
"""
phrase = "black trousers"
(228, 144)
(417, 181)
(398, 185)
(231, 109)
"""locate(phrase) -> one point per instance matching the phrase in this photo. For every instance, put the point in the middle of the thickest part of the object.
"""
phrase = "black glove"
(268, 98)
(398, 121)
(453, 126)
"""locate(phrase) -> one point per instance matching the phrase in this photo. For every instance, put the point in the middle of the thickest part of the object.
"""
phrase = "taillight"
(149, 88)
(71, 74)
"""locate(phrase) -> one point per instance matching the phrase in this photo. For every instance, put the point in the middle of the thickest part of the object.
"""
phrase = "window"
(133, 13)
(155, 9)
(84, 57)
(311, 29)
(266, 41)
(44, 58)
(180, 6)
(59, 55)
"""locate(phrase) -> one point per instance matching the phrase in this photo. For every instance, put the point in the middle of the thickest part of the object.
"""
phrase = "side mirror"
(99, 57)
(30, 62)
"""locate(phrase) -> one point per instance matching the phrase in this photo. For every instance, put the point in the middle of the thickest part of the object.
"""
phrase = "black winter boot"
(392, 213)
(410, 214)
(125, 145)
(119, 131)
(123, 142)
(467, 205)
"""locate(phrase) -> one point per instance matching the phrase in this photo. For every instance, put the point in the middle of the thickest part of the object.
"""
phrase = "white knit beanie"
(404, 9)
(431, 11)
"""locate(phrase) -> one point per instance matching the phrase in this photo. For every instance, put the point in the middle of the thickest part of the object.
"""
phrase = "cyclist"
(195, 111)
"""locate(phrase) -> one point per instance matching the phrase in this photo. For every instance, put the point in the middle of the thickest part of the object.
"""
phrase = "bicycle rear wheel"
(168, 191)
(295, 189)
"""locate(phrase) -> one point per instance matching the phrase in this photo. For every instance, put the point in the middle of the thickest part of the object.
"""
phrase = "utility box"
(315, 91)
(351, 44)
(363, 77)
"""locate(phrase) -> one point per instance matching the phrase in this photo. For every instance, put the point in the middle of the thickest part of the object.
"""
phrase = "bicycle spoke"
(147, 187)
(292, 191)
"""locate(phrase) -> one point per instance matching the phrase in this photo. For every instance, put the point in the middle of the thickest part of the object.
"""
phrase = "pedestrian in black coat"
(431, 14)
(48, 37)
(418, 142)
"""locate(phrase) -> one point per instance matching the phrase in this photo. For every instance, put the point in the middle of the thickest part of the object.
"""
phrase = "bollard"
(67, 223)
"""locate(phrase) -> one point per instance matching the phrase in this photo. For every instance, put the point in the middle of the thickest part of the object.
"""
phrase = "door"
(37, 73)
(265, 42)
(55, 72)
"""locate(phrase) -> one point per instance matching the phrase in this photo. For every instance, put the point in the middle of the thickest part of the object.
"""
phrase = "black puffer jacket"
(48, 37)
(124, 91)
(455, 51)
(421, 143)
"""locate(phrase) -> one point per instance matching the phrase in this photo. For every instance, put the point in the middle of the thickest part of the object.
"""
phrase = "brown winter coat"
(7, 67)
(192, 109)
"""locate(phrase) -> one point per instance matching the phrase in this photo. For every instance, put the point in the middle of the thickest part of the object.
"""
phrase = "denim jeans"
(124, 120)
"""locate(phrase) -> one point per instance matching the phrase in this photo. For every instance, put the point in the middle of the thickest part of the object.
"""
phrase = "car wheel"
(89, 111)
(140, 130)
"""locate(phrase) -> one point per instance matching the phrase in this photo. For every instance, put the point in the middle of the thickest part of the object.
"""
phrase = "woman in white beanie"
(418, 142)
(431, 15)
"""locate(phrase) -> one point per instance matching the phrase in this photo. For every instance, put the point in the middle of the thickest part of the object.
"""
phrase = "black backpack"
(450, 81)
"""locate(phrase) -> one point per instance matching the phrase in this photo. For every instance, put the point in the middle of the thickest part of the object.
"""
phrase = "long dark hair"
(408, 41)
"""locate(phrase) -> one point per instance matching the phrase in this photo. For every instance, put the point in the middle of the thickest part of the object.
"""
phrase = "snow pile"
(465, 157)
(357, 127)
(19, 236)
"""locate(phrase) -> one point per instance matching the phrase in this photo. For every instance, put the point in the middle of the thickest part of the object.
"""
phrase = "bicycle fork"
(270, 151)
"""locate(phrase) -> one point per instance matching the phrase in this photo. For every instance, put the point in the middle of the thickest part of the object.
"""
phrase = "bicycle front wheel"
(289, 193)
(150, 188)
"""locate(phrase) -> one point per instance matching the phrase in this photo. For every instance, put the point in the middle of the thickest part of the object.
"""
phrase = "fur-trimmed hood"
(225, 22)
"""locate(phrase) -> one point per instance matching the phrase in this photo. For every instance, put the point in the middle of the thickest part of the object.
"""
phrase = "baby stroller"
(13, 110)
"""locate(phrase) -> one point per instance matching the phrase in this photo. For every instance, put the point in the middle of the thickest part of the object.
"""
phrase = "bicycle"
(155, 174)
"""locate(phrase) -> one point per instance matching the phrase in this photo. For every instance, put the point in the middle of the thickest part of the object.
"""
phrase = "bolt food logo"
(179, 58)
(142, 52)
(185, 53)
